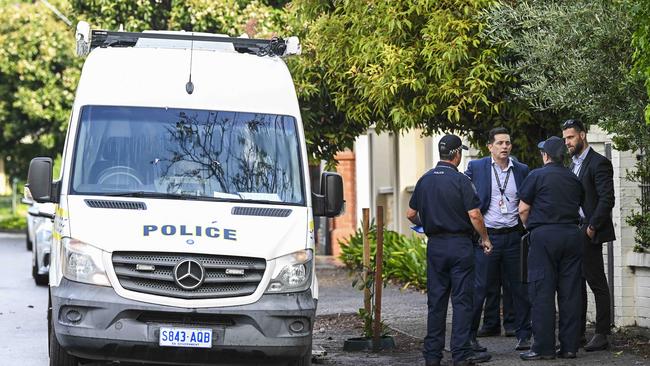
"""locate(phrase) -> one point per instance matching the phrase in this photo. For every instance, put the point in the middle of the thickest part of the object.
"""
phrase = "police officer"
(549, 201)
(446, 205)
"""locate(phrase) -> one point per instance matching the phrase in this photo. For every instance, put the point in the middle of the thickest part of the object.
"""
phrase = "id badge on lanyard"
(502, 201)
(502, 206)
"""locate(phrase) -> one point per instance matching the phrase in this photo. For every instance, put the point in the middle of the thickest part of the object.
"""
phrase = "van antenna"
(189, 87)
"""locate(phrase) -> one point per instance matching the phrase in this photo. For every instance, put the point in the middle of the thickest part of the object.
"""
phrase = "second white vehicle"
(42, 216)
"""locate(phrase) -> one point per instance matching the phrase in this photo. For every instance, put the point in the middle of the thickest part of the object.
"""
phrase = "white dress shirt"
(577, 164)
(493, 217)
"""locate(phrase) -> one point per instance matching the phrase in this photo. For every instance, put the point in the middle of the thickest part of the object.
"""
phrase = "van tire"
(304, 360)
(40, 280)
(28, 243)
(58, 356)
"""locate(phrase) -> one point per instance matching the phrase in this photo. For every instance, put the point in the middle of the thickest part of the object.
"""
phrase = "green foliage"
(398, 65)
(642, 224)
(573, 58)
(405, 258)
(39, 74)
(641, 42)
(13, 223)
(10, 221)
(230, 17)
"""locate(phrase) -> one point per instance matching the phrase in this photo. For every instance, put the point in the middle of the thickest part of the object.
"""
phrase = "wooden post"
(366, 260)
(376, 332)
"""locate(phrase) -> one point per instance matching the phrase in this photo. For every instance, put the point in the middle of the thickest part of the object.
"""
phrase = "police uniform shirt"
(554, 194)
(442, 198)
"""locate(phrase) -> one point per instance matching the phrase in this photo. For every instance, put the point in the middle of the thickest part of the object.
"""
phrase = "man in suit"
(595, 172)
(497, 179)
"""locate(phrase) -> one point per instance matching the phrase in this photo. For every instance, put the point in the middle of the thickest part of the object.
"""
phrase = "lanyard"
(505, 183)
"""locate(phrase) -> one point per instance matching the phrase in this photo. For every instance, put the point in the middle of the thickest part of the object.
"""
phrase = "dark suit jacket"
(480, 172)
(597, 178)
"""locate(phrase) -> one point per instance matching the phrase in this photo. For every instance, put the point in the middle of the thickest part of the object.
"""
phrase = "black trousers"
(554, 266)
(593, 274)
(450, 271)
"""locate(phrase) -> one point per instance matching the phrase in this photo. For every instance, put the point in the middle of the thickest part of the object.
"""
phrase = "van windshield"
(192, 154)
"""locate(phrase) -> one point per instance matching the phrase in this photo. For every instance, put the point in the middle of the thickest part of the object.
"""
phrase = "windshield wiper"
(149, 195)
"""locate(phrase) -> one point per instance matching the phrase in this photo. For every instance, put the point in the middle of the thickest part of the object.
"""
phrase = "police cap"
(449, 144)
(553, 146)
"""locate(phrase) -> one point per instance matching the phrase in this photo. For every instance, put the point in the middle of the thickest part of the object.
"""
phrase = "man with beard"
(595, 172)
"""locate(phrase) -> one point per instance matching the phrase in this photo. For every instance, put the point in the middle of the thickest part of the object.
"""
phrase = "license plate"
(186, 337)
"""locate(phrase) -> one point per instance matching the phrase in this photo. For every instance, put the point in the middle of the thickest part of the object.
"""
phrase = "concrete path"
(404, 310)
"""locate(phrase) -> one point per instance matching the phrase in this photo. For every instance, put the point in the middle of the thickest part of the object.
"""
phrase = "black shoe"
(510, 333)
(476, 347)
(480, 357)
(532, 355)
(598, 343)
(522, 345)
(561, 354)
(432, 363)
(473, 360)
(488, 332)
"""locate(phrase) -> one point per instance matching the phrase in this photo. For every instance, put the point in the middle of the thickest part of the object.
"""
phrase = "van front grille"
(222, 276)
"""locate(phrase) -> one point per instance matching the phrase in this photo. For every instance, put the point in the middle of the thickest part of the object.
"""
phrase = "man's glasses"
(572, 123)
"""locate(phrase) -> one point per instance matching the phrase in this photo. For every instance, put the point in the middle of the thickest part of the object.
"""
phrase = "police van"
(184, 228)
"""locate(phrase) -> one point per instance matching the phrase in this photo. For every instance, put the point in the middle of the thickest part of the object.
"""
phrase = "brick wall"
(344, 225)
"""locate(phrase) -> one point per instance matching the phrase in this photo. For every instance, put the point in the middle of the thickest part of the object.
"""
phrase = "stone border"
(635, 259)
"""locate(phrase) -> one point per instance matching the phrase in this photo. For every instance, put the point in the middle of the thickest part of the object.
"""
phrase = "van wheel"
(58, 356)
(28, 243)
(302, 361)
(39, 279)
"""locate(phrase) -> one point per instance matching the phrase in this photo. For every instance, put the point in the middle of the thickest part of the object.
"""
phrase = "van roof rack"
(88, 40)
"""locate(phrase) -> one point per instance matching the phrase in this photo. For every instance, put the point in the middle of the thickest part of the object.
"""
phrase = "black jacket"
(597, 178)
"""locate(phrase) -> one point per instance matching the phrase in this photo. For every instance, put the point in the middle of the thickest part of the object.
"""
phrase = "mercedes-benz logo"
(189, 274)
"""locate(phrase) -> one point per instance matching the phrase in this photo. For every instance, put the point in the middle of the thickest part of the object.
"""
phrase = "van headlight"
(83, 263)
(292, 272)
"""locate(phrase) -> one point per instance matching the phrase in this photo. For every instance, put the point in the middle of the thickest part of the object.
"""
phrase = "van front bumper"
(118, 329)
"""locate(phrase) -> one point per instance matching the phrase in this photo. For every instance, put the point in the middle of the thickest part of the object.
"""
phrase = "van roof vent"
(261, 211)
(123, 205)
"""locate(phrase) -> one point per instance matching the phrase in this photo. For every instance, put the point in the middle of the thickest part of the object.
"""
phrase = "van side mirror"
(329, 202)
(39, 185)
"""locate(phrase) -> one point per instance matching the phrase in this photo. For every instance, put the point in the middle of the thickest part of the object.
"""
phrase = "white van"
(184, 225)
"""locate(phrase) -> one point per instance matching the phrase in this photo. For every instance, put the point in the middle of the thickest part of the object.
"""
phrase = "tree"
(403, 65)
(38, 74)
(576, 57)
(230, 17)
(573, 56)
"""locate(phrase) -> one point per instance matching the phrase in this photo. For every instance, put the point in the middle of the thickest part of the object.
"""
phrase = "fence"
(645, 198)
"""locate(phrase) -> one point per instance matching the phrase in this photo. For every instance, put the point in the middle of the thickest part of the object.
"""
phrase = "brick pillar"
(345, 225)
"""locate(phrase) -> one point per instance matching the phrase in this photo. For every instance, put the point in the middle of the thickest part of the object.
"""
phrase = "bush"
(13, 223)
(405, 258)
(642, 224)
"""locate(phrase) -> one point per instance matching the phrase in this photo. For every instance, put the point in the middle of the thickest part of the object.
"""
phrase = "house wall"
(344, 225)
